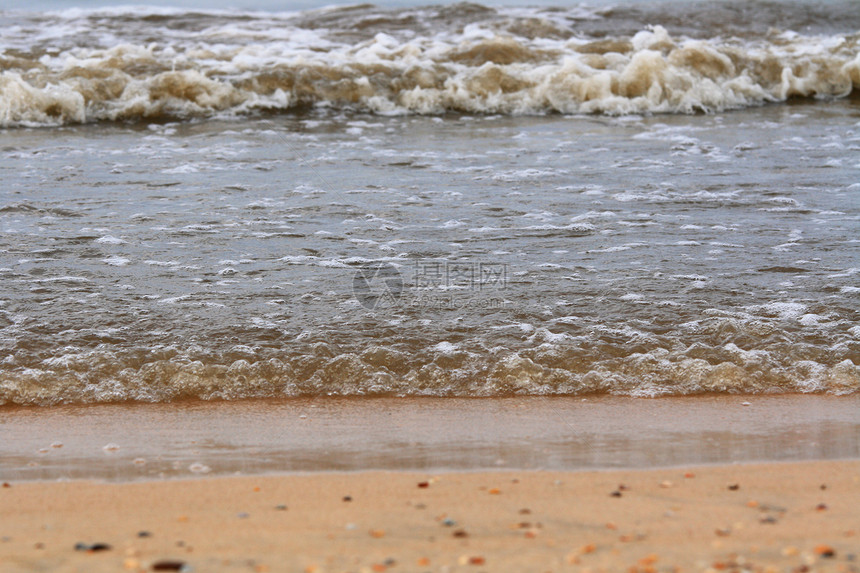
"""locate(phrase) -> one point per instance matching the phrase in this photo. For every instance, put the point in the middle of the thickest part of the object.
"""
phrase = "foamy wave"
(241, 68)
(551, 367)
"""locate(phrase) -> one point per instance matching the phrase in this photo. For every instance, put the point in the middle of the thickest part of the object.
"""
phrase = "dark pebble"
(144, 534)
(525, 511)
(7, 484)
(821, 507)
(390, 562)
(243, 515)
(281, 507)
(168, 565)
(829, 553)
(768, 519)
(734, 487)
(423, 484)
(460, 533)
(822, 486)
(39, 546)
(347, 498)
(92, 548)
(622, 487)
(615, 494)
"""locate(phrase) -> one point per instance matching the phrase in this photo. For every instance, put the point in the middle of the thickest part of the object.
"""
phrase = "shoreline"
(121, 442)
(759, 517)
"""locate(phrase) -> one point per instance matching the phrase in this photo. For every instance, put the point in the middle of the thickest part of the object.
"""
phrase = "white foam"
(242, 66)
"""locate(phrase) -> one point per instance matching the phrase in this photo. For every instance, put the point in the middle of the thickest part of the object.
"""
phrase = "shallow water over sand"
(463, 255)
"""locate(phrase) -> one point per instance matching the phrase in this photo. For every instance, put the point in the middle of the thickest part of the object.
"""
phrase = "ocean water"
(641, 199)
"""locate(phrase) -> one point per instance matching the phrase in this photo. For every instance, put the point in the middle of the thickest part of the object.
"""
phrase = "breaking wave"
(88, 66)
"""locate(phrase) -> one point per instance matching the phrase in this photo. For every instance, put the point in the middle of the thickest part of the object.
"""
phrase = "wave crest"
(476, 71)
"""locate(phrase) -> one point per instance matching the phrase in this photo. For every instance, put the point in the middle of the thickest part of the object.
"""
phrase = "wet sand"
(121, 442)
(767, 517)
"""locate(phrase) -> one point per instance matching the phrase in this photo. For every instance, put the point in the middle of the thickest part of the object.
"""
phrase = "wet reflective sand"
(188, 439)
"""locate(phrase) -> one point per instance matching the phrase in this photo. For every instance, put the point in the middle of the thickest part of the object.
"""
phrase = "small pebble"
(821, 507)
(734, 487)
(377, 533)
(424, 484)
(689, 475)
(57, 445)
(767, 519)
(525, 511)
(822, 486)
(111, 447)
(347, 498)
(495, 491)
(6, 484)
(615, 494)
(281, 507)
(243, 515)
(168, 565)
(460, 533)
(477, 560)
(723, 532)
(666, 484)
(144, 534)
(825, 551)
(448, 522)
(94, 548)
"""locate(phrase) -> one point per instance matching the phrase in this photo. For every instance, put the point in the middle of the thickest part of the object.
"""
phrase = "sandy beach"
(754, 483)
(768, 517)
